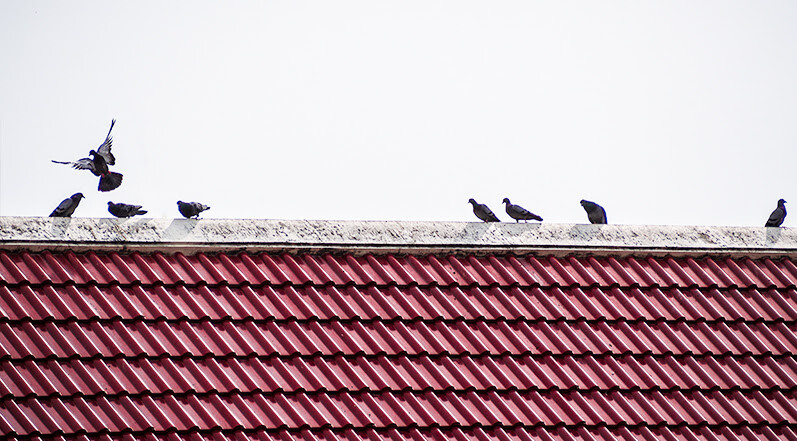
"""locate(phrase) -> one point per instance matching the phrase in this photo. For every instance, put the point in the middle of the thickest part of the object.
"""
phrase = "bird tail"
(60, 162)
(141, 212)
(110, 181)
(537, 218)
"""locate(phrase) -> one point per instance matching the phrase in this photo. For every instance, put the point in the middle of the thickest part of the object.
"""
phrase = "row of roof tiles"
(294, 374)
(82, 302)
(323, 269)
(479, 433)
(387, 409)
(176, 338)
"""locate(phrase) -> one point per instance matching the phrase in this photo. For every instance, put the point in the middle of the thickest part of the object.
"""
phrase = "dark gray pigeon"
(778, 215)
(483, 212)
(595, 213)
(99, 162)
(67, 206)
(124, 210)
(519, 213)
(191, 209)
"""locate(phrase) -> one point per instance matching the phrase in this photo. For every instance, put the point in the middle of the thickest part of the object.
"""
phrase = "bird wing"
(775, 217)
(62, 207)
(104, 149)
(80, 164)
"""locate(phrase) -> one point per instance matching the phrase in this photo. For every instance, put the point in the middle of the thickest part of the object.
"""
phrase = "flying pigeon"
(519, 213)
(191, 209)
(124, 210)
(67, 206)
(482, 212)
(595, 213)
(99, 162)
(778, 215)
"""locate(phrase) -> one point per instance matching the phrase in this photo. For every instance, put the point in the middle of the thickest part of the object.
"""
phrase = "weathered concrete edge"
(184, 235)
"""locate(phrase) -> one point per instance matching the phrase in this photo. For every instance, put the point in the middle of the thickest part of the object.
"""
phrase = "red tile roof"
(318, 346)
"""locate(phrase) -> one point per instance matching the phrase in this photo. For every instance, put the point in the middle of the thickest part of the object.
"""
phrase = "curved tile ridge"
(119, 233)
(127, 302)
(230, 375)
(388, 409)
(108, 339)
(392, 269)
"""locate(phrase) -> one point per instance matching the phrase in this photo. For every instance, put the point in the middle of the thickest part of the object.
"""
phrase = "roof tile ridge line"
(404, 354)
(412, 427)
(464, 393)
(373, 284)
(391, 320)
(394, 392)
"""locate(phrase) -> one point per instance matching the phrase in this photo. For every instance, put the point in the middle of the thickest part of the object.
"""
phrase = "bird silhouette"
(778, 215)
(519, 213)
(191, 209)
(98, 164)
(124, 210)
(483, 212)
(595, 213)
(67, 206)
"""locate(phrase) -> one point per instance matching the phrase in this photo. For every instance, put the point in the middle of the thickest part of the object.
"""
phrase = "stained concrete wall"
(185, 235)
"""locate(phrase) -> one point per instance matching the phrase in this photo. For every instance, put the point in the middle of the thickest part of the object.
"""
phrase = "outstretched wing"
(80, 164)
(105, 148)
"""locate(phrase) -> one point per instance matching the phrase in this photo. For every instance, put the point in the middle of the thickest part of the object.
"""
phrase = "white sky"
(665, 112)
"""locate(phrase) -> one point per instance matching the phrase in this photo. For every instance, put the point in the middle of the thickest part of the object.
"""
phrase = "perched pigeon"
(595, 213)
(482, 212)
(67, 206)
(99, 162)
(124, 210)
(777, 216)
(519, 213)
(191, 209)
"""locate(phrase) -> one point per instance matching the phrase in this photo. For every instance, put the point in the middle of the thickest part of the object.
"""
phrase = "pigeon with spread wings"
(98, 164)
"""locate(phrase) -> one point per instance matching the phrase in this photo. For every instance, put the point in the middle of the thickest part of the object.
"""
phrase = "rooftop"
(172, 329)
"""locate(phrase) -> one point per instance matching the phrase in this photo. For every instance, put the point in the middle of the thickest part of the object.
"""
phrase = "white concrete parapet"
(188, 235)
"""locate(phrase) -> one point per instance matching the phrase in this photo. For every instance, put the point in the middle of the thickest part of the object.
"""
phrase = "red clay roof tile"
(323, 346)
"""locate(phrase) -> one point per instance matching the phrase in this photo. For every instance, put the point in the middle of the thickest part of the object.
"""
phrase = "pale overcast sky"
(664, 112)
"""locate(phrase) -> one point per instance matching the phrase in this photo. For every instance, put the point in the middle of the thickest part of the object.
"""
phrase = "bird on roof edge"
(124, 210)
(778, 215)
(483, 212)
(519, 213)
(98, 164)
(191, 209)
(67, 206)
(595, 213)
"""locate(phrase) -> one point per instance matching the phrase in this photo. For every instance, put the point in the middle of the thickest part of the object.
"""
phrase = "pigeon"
(482, 212)
(595, 213)
(124, 210)
(777, 216)
(519, 213)
(67, 206)
(99, 162)
(191, 209)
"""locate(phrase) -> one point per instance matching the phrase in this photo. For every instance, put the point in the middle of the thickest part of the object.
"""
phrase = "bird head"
(584, 202)
(472, 201)
(179, 202)
(110, 203)
(506, 201)
(78, 196)
(781, 201)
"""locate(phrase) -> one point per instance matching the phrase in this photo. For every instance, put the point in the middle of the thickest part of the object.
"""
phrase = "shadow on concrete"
(59, 226)
(773, 234)
(179, 228)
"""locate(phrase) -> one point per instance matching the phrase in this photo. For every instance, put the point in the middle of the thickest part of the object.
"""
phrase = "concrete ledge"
(184, 235)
